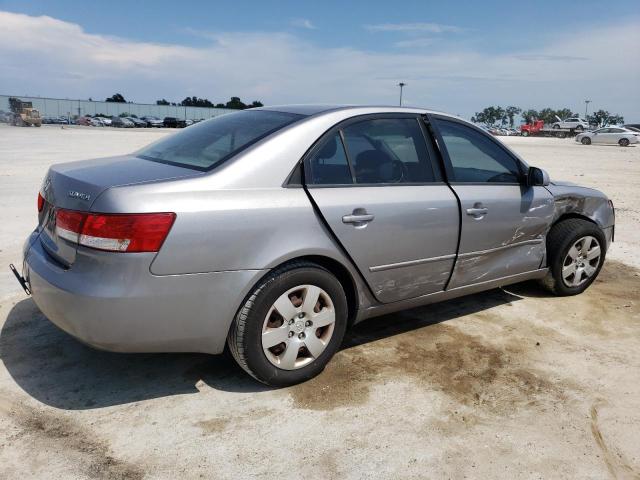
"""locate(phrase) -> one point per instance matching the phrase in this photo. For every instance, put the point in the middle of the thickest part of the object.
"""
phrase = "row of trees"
(498, 115)
(234, 103)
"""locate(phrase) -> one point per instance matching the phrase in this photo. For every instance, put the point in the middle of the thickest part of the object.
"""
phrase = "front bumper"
(113, 302)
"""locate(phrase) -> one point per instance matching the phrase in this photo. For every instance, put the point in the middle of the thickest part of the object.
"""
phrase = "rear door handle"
(359, 217)
(477, 211)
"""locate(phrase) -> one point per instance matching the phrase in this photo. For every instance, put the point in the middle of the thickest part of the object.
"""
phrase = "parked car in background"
(632, 126)
(137, 122)
(106, 121)
(55, 120)
(173, 122)
(86, 121)
(609, 135)
(189, 245)
(153, 121)
(121, 122)
(574, 123)
(96, 122)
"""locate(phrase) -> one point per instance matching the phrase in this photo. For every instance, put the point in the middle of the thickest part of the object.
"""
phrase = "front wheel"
(525, 133)
(579, 128)
(290, 325)
(586, 141)
(556, 126)
(575, 250)
(623, 142)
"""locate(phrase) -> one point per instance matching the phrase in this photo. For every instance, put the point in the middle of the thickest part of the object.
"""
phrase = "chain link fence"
(58, 107)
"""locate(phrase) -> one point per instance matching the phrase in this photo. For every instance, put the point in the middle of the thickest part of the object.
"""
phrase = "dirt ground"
(510, 383)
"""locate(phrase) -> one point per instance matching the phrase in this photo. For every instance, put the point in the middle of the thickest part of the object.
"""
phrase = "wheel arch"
(336, 268)
(569, 215)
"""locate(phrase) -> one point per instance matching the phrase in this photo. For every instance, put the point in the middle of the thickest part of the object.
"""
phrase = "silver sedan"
(273, 230)
(609, 135)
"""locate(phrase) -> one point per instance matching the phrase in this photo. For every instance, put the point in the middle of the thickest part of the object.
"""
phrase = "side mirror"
(537, 177)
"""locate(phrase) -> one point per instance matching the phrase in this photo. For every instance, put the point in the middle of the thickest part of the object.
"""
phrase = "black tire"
(560, 239)
(525, 133)
(623, 142)
(579, 128)
(586, 141)
(555, 125)
(245, 335)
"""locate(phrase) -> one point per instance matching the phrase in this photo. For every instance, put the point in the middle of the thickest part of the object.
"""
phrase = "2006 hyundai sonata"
(272, 230)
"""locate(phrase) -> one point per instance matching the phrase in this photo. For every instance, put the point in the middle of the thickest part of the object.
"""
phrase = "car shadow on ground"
(57, 370)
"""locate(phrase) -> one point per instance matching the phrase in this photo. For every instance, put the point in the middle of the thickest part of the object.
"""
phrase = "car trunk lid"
(76, 185)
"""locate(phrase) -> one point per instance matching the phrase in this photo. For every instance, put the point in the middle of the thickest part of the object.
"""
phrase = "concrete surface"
(506, 384)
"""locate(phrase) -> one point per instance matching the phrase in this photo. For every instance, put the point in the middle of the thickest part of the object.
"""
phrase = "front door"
(504, 222)
(374, 183)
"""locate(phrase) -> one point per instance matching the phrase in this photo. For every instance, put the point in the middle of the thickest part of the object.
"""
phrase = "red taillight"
(139, 232)
(69, 223)
(40, 202)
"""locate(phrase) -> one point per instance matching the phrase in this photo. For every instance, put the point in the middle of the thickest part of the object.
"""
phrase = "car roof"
(315, 109)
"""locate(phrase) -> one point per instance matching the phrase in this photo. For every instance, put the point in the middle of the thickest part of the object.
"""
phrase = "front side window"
(388, 150)
(208, 144)
(476, 157)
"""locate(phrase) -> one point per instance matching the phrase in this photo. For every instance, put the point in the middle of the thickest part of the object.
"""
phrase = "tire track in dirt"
(69, 439)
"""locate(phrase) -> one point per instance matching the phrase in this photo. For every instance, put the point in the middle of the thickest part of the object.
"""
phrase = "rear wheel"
(290, 326)
(586, 141)
(556, 126)
(623, 142)
(576, 251)
(579, 128)
(525, 133)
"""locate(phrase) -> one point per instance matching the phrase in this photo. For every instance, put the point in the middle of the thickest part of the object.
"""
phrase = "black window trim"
(439, 178)
(451, 180)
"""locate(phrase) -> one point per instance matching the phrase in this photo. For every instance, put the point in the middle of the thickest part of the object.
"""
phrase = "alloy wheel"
(581, 262)
(298, 327)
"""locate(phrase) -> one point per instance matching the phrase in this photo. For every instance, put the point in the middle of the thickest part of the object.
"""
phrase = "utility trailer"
(537, 128)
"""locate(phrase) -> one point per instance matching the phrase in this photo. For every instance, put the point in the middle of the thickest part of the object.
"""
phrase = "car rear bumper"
(113, 302)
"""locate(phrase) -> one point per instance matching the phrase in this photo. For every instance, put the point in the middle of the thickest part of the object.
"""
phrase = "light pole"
(586, 107)
(401, 85)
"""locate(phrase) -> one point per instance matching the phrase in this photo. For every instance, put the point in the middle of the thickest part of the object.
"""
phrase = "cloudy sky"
(454, 56)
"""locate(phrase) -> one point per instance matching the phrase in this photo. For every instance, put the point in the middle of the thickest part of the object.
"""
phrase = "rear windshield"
(206, 145)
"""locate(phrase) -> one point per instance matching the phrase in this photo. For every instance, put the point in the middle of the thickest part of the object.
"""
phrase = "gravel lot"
(506, 384)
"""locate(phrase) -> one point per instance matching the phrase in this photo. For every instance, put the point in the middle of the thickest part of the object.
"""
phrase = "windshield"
(206, 145)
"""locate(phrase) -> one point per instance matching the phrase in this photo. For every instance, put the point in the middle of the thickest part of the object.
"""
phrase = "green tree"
(162, 102)
(117, 98)
(530, 115)
(565, 113)
(236, 104)
(603, 117)
(511, 112)
(196, 102)
(489, 115)
(548, 115)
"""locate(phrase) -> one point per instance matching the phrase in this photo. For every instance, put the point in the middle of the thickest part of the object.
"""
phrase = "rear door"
(376, 186)
(504, 222)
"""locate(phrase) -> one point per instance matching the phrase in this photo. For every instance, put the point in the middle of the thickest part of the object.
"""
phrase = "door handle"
(477, 211)
(359, 217)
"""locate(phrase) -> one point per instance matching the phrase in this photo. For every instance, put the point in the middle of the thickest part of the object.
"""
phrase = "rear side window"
(388, 150)
(475, 157)
(208, 144)
(329, 164)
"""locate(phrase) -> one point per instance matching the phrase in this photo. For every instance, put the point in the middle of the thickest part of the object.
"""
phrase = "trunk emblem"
(79, 195)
